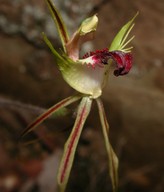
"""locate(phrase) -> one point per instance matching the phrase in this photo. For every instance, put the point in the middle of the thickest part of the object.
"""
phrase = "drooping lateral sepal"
(49, 112)
(71, 144)
(59, 23)
(112, 158)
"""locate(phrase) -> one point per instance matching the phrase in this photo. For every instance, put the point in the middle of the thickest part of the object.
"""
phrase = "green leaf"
(59, 23)
(49, 112)
(71, 144)
(119, 40)
(113, 160)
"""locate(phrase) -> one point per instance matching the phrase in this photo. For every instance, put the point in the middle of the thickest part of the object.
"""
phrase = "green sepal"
(72, 142)
(59, 23)
(60, 61)
(112, 158)
(65, 102)
(118, 42)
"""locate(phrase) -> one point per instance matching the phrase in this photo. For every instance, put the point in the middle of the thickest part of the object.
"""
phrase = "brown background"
(134, 103)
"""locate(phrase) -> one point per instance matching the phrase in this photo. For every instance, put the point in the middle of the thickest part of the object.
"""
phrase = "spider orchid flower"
(87, 75)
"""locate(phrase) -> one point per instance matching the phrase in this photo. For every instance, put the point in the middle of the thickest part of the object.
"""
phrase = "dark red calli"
(122, 59)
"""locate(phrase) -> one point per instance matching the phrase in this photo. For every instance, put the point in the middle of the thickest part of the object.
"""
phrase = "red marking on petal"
(71, 144)
(62, 29)
(45, 115)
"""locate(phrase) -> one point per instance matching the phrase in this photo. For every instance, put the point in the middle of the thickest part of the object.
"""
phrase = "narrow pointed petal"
(60, 61)
(113, 160)
(119, 40)
(49, 44)
(49, 112)
(59, 23)
(71, 144)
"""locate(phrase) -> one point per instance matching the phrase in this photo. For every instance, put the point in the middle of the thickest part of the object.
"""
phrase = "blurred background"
(30, 82)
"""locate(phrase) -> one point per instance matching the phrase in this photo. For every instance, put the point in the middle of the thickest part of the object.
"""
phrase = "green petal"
(71, 144)
(49, 112)
(119, 40)
(60, 61)
(59, 23)
(113, 160)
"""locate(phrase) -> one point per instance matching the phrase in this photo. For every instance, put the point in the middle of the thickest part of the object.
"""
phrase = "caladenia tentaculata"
(88, 76)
